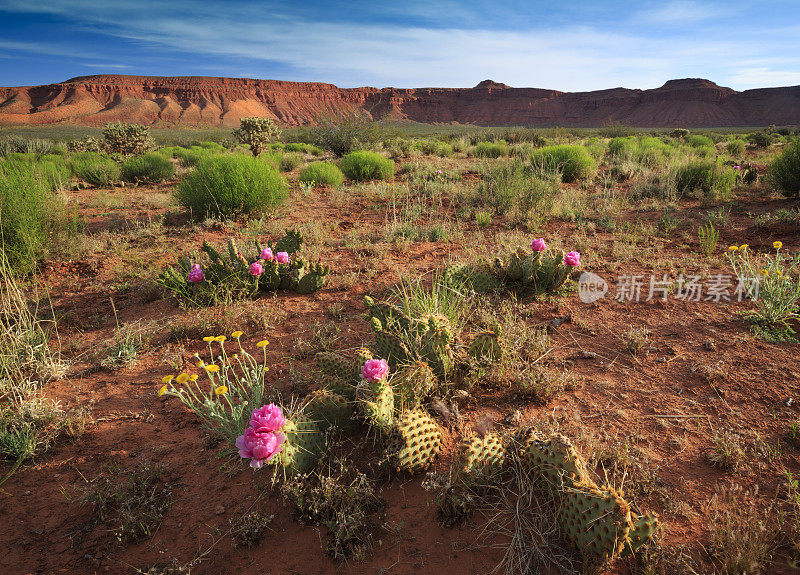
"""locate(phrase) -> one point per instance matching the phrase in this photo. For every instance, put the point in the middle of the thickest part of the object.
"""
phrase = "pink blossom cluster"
(572, 259)
(196, 274)
(263, 439)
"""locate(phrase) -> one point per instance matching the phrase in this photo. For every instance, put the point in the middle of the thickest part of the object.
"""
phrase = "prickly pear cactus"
(487, 345)
(555, 459)
(289, 243)
(514, 268)
(389, 345)
(435, 337)
(312, 279)
(412, 383)
(390, 316)
(270, 279)
(482, 455)
(643, 529)
(329, 408)
(334, 364)
(551, 274)
(479, 277)
(596, 521)
(417, 440)
(303, 446)
(376, 403)
(362, 355)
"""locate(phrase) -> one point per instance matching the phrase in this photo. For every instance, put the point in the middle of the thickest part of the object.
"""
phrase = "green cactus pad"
(487, 345)
(329, 408)
(555, 459)
(303, 445)
(334, 364)
(417, 440)
(412, 383)
(376, 403)
(644, 527)
(313, 278)
(289, 243)
(596, 521)
(482, 455)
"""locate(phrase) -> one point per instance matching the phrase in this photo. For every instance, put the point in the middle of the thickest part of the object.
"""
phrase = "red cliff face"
(204, 101)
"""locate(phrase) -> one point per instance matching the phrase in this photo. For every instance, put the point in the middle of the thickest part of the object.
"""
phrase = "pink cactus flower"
(438, 171)
(256, 269)
(196, 274)
(260, 445)
(269, 417)
(375, 369)
(737, 167)
(538, 245)
(282, 257)
(266, 254)
(572, 259)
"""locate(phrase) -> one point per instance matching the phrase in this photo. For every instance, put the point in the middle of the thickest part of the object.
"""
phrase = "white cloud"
(765, 78)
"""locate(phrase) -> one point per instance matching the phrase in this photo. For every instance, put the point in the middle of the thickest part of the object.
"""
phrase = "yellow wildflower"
(201, 363)
(764, 273)
(193, 377)
(220, 338)
(182, 378)
(733, 248)
(212, 368)
(777, 245)
(163, 390)
(166, 379)
(744, 246)
(221, 390)
(237, 334)
(208, 338)
(262, 343)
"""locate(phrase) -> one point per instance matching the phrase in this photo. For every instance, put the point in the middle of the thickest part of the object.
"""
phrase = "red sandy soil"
(50, 529)
(208, 101)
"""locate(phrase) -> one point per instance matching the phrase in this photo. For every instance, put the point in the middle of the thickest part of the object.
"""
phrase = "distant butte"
(207, 101)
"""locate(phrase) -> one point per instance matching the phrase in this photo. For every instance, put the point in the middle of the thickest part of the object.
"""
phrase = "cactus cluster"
(237, 273)
(328, 408)
(404, 340)
(303, 446)
(376, 403)
(523, 271)
(596, 519)
(488, 345)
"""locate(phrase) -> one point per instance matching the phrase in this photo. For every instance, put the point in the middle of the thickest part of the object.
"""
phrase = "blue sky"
(577, 45)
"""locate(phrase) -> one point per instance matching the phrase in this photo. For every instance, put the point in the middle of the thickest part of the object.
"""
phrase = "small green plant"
(95, 169)
(727, 452)
(709, 237)
(149, 168)
(637, 340)
(736, 148)
(710, 179)
(698, 141)
(322, 174)
(483, 219)
(784, 172)
(490, 149)
(251, 528)
(256, 133)
(343, 134)
(363, 165)
(760, 139)
(226, 185)
(771, 282)
(572, 162)
(127, 139)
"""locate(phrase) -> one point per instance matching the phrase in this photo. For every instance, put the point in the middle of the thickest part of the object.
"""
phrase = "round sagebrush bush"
(323, 173)
(230, 184)
(784, 172)
(95, 169)
(698, 141)
(150, 168)
(363, 165)
(572, 162)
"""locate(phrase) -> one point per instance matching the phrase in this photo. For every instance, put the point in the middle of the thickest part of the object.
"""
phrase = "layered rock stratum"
(208, 101)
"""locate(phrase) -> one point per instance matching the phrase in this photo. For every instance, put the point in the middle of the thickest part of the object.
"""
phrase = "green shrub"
(290, 161)
(434, 148)
(490, 149)
(698, 141)
(364, 165)
(303, 148)
(736, 147)
(191, 156)
(31, 215)
(127, 139)
(323, 173)
(95, 169)
(572, 162)
(622, 148)
(213, 146)
(712, 179)
(343, 135)
(784, 173)
(150, 168)
(760, 139)
(679, 133)
(227, 184)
